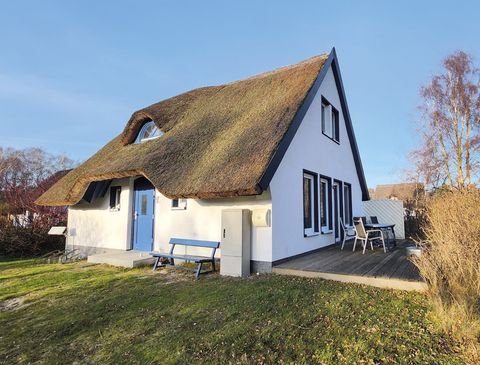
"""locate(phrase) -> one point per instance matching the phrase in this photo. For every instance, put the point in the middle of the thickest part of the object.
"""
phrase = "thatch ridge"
(217, 142)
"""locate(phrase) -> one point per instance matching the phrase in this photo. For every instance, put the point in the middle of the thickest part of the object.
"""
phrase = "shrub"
(23, 241)
(450, 264)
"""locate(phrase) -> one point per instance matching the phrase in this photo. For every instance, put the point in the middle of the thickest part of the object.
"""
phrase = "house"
(281, 142)
(401, 191)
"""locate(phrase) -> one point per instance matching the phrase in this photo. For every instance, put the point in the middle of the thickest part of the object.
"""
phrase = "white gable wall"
(310, 150)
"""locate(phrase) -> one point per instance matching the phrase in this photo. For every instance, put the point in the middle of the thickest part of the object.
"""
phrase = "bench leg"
(172, 262)
(155, 265)
(213, 265)
(199, 270)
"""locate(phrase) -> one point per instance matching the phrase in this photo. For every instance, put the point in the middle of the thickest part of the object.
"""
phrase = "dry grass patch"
(451, 265)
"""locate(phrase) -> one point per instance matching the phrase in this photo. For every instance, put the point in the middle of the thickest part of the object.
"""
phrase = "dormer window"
(148, 131)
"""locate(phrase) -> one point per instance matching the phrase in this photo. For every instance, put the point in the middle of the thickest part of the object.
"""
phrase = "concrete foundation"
(261, 267)
(123, 259)
(85, 251)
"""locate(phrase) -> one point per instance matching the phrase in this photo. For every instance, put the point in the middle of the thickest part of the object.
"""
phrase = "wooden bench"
(200, 260)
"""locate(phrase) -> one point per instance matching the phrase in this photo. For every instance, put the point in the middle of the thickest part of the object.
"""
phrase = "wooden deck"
(386, 270)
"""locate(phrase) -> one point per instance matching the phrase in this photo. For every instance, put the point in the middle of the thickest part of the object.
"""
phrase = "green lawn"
(84, 314)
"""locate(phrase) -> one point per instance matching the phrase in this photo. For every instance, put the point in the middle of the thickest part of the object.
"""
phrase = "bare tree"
(24, 176)
(449, 154)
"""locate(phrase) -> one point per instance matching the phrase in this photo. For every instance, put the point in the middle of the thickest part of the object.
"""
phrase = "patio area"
(391, 270)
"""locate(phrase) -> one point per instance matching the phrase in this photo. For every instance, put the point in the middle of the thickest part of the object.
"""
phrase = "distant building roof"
(401, 191)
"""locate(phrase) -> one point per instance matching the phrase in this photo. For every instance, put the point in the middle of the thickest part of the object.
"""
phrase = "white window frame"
(310, 231)
(118, 194)
(347, 201)
(325, 228)
(330, 120)
(141, 133)
(327, 128)
(180, 205)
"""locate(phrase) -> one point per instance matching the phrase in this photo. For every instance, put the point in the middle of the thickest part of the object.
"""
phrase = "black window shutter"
(348, 193)
(351, 206)
(337, 125)
(340, 185)
(330, 223)
(315, 205)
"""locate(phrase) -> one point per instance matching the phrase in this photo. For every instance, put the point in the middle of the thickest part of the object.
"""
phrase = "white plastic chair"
(348, 232)
(366, 236)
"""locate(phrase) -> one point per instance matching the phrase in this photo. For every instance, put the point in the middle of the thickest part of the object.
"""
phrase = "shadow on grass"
(32, 272)
(15, 263)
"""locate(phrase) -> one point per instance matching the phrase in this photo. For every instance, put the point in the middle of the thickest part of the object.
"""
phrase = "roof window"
(148, 132)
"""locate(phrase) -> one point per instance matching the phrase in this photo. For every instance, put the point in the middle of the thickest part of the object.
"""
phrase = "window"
(144, 204)
(330, 121)
(326, 121)
(325, 204)
(179, 204)
(310, 204)
(115, 192)
(148, 132)
(347, 201)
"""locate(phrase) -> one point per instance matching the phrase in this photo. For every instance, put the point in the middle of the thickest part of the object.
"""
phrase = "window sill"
(179, 208)
(114, 209)
(331, 138)
(148, 139)
(327, 231)
(306, 235)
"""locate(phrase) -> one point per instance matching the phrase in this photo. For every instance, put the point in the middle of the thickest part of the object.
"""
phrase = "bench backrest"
(197, 243)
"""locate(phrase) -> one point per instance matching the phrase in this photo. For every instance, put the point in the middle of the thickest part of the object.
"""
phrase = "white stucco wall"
(313, 151)
(202, 221)
(95, 225)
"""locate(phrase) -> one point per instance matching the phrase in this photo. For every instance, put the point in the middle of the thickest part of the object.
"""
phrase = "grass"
(86, 314)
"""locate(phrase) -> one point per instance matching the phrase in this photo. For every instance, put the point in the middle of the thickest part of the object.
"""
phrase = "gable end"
(297, 120)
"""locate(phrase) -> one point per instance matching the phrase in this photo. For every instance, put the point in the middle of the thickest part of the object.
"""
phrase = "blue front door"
(143, 215)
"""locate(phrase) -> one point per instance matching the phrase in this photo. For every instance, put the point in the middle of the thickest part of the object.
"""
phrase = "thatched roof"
(218, 141)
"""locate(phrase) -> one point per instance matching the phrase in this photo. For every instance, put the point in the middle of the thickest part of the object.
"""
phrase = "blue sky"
(72, 73)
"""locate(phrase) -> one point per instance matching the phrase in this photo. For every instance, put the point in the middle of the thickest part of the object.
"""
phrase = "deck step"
(379, 282)
(128, 259)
